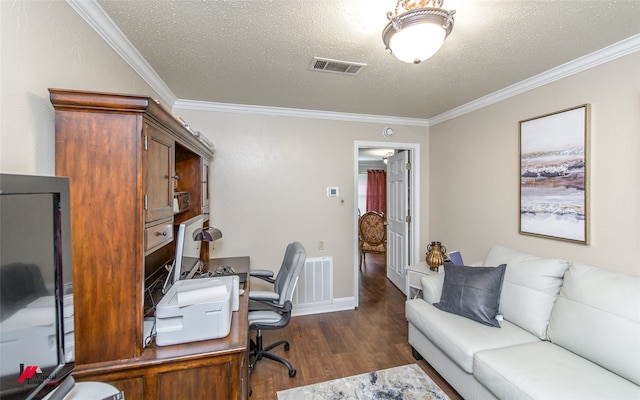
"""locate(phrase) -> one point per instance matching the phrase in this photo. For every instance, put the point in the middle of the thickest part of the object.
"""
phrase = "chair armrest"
(432, 287)
(271, 302)
(261, 273)
(263, 295)
(264, 274)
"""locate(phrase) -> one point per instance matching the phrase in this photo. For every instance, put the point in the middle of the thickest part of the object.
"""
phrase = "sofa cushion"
(531, 286)
(472, 292)
(459, 337)
(597, 315)
(543, 370)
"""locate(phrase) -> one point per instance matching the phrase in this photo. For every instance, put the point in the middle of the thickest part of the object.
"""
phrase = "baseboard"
(341, 304)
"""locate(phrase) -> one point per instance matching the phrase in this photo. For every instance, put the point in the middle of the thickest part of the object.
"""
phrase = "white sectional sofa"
(567, 331)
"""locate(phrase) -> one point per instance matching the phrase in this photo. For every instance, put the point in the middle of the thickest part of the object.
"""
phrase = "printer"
(196, 309)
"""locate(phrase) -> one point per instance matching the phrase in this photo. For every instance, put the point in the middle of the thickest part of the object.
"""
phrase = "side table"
(413, 274)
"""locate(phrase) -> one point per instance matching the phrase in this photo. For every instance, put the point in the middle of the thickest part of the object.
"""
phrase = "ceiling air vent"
(335, 66)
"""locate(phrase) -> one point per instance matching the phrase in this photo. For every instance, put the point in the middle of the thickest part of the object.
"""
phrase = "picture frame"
(554, 175)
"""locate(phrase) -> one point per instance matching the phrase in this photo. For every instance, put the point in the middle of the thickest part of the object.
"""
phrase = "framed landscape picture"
(554, 175)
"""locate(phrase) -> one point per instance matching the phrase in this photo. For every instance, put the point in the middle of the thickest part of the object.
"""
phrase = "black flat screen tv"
(36, 294)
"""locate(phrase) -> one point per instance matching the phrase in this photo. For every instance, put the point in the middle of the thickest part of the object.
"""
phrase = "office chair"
(278, 312)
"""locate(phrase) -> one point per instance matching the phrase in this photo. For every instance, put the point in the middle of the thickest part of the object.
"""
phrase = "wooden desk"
(239, 264)
(211, 369)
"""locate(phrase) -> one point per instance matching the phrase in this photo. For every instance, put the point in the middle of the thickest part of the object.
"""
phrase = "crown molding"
(609, 53)
(297, 113)
(95, 16)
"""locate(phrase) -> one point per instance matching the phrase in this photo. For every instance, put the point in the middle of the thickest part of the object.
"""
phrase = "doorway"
(411, 195)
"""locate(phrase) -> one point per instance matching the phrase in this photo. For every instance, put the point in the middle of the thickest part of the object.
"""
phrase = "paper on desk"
(201, 292)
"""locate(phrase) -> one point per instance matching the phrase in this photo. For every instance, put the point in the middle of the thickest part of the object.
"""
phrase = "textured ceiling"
(259, 52)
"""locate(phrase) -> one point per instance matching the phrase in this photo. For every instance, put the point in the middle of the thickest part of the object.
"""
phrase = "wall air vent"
(335, 66)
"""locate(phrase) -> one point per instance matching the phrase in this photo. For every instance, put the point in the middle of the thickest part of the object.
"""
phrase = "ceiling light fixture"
(415, 31)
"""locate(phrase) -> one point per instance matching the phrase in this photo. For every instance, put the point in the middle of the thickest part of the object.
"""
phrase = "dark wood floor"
(335, 345)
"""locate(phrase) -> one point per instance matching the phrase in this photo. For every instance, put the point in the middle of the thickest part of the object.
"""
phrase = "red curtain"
(377, 191)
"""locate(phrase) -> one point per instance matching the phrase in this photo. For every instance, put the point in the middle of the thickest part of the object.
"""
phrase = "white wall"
(45, 44)
(475, 170)
(270, 175)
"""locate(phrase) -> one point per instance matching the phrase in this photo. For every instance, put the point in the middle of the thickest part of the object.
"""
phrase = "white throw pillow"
(531, 286)
(597, 316)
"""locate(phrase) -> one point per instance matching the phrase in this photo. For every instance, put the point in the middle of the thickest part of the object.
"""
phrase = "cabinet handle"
(163, 233)
(176, 177)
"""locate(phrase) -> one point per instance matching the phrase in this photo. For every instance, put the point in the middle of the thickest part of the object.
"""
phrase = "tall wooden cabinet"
(125, 156)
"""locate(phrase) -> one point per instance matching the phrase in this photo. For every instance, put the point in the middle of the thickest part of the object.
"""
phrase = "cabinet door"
(132, 388)
(159, 173)
(199, 383)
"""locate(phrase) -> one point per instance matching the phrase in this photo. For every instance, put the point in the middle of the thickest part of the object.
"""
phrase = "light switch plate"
(332, 191)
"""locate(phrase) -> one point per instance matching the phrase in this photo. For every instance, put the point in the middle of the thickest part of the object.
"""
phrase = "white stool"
(86, 391)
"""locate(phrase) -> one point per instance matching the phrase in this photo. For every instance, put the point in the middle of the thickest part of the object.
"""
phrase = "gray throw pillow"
(472, 292)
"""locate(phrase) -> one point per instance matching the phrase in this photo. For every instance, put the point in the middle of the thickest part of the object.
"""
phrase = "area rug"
(408, 382)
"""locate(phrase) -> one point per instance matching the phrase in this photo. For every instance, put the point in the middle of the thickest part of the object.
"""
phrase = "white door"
(398, 217)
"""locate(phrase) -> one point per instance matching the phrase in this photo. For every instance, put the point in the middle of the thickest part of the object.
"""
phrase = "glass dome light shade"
(417, 42)
(417, 34)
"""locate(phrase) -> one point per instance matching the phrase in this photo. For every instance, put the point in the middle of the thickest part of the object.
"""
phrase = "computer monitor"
(187, 257)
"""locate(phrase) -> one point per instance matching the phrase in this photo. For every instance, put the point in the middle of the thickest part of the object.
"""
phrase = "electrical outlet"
(321, 245)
